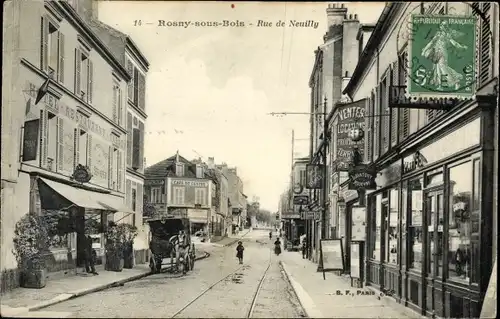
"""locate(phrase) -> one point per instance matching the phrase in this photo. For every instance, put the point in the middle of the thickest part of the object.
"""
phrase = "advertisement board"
(351, 117)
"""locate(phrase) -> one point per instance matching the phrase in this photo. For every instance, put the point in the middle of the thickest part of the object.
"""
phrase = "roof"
(318, 55)
(166, 168)
(371, 46)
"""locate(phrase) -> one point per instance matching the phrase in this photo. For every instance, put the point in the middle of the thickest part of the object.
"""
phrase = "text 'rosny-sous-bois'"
(229, 23)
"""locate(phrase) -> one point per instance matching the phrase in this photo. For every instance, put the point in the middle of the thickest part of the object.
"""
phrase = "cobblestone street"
(160, 295)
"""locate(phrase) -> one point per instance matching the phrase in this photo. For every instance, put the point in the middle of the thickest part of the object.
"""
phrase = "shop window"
(463, 238)
(392, 229)
(404, 212)
(415, 235)
(434, 222)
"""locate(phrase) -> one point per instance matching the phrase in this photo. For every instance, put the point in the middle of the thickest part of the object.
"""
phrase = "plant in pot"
(114, 247)
(31, 241)
(129, 232)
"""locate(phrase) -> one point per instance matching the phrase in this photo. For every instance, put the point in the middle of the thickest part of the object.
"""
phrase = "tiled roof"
(167, 168)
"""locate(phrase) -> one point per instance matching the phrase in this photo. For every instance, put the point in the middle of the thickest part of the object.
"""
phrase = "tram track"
(205, 292)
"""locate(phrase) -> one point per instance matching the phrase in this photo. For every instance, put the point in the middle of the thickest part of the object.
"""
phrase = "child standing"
(239, 252)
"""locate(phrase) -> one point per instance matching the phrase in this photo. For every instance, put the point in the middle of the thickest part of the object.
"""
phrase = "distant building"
(236, 196)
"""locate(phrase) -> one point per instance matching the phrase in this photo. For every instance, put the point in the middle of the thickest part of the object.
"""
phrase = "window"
(378, 227)
(435, 228)
(84, 71)
(392, 231)
(51, 141)
(179, 169)
(199, 171)
(117, 104)
(415, 235)
(136, 86)
(200, 196)
(463, 238)
(302, 178)
(113, 167)
(156, 195)
(115, 164)
(52, 49)
(135, 142)
(178, 195)
(83, 139)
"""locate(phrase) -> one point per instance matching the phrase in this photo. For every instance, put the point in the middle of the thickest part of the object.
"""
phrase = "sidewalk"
(334, 297)
(22, 300)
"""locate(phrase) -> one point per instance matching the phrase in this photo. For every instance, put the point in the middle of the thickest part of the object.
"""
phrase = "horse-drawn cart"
(171, 239)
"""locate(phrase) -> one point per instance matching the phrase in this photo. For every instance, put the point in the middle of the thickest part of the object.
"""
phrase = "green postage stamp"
(442, 57)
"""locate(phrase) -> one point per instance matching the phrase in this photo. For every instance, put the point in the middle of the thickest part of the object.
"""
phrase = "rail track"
(205, 292)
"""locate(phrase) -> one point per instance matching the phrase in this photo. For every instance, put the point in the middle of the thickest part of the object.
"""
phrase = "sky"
(209, 90)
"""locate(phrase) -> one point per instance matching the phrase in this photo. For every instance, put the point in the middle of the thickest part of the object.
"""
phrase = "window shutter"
(130, 69)
(140, 198)
(430, 115)
(369, 131)
(141, 145)
(135, 148)
(386, 111)
(60, 144)
(44, 44)
(110, 167)
(136, 86)
(129, 139)
(90, 86)
(404, 123)
(119, 178)
(76, 146)
(376, 124)
(78, 66)
(43, 138)
(115, 104)
(128, 193)
(485, 66)
(120, 106)
(60, 68)
(142, 91)
(89, 151)
(394, 111)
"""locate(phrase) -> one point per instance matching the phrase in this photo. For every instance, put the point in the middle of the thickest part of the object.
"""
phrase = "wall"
(189, 186)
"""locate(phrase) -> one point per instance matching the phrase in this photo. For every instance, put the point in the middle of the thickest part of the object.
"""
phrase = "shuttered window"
(60, 144)
(90, 79)
(84, 76)
(394, 112)
(78, 70)
(130, 87)
(44, 44)
(136, 149)
(76, 147)
(376, 124)
(51, 49)
(129, 139)
(120, 106)
(43, 138)
(141, 91)
(369, 130)
(89, 151)
(485, 43)
(115, 102)
(404, 114)
(141, 145)
(61, 55)
(128, 193)
(111, 168)
(384, 112)
(120, 173)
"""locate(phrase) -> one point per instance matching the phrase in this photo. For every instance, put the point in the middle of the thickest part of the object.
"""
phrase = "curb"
(310, 311)
(67, 296)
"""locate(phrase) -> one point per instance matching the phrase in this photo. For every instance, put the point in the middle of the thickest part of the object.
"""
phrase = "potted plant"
(114, 247)
(129, 234)
(31, 241)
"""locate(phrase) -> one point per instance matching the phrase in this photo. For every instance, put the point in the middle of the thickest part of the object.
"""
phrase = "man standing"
(90, 256)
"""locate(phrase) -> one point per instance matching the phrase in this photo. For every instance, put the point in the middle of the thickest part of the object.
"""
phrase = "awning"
(79, 197)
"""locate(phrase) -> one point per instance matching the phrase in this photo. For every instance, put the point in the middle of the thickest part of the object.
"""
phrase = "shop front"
(429, 230)
(72, 211)
(348, 199)
(198, 219)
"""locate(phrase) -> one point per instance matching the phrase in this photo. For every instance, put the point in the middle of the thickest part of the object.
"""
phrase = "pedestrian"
(90, 256)
(239, 252)
(304, 248)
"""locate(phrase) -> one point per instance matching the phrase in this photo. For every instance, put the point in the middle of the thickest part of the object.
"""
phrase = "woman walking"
(239, 252)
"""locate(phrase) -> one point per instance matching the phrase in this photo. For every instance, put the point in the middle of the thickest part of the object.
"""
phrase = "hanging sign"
(82, 174)
(301, 200)
(362, 177)
(350, 124)
(314, 176)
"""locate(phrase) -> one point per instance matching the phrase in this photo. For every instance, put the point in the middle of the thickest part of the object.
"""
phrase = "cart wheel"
(152, 264)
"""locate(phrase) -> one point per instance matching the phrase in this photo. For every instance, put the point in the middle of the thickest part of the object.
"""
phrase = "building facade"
(180, 188)
(236, 197)
(334, 64)
(429, 236)
(70, 130)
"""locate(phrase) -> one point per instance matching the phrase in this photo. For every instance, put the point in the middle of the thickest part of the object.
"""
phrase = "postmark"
(441, 43)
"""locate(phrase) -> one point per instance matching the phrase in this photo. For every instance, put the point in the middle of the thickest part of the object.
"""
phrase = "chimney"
(335, 14)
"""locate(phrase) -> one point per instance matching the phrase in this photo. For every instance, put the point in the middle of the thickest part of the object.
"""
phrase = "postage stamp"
(442, 57)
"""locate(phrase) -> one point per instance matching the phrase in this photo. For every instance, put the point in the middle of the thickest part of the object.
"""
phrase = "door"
(433, 250)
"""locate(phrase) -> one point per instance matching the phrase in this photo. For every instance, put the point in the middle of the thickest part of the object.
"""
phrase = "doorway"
(434, 258)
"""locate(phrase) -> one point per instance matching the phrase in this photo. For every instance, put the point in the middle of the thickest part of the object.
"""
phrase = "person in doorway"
(90, 256)
(239, 252)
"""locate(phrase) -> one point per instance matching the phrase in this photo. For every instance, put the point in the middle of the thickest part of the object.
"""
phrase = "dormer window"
(179, 169)
(199, 171)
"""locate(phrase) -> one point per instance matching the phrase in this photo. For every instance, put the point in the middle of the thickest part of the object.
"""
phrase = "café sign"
(82, 174)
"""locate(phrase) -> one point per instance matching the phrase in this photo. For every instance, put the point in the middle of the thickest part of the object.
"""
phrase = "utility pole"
(325, 171)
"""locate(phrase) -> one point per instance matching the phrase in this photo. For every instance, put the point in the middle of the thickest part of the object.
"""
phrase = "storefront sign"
(332, 255)
(290, 216)
(362, 177)
(82, 174)
(314, 176)
(184, 182)
(154, 182)
(30, 140)
(399, 99)
(198, 215)
(389, 175)
(351, 118)
(414, 162)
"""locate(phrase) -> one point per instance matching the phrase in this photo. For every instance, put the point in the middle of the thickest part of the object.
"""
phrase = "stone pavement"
(22, 300)
(334, 297)
(231, 239)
